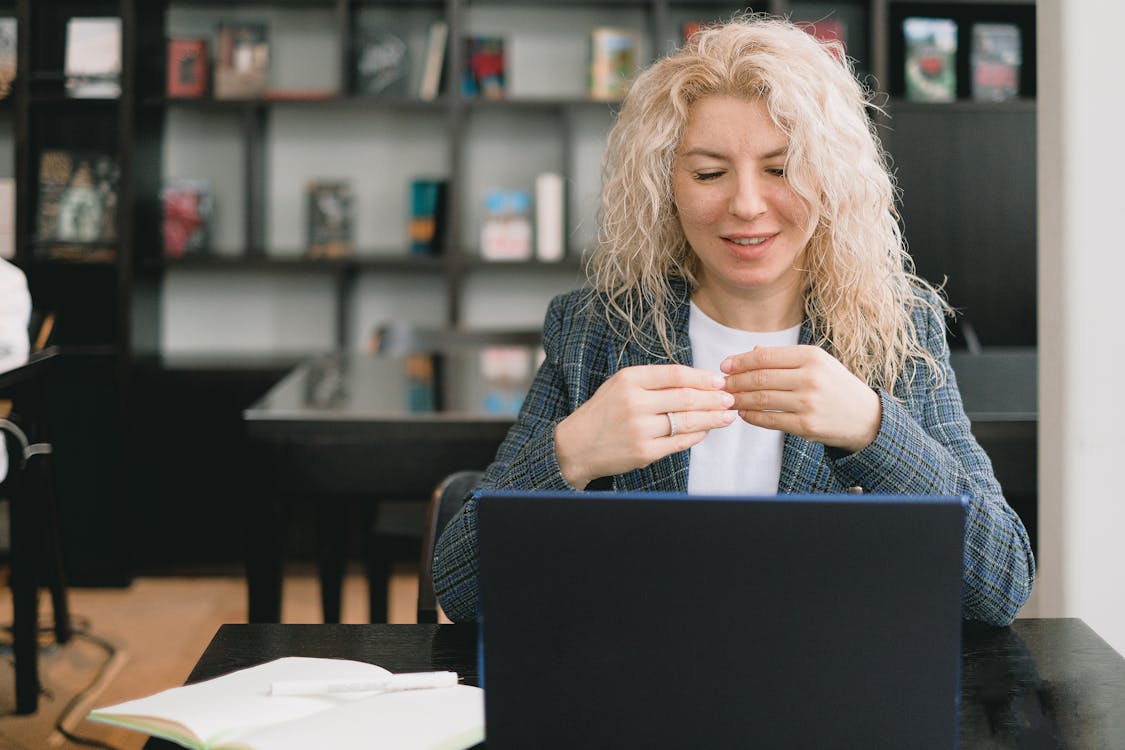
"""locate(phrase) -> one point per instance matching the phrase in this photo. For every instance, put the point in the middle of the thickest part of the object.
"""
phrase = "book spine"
(427, 209)
(549, 201)
(435, 60)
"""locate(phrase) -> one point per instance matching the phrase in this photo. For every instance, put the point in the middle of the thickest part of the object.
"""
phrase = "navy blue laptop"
(666, 621)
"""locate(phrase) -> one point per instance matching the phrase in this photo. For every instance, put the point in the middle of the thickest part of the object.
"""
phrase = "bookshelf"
(257, 304)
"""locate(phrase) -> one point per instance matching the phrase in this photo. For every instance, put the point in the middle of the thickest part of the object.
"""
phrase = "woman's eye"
(705, 176)
(776, 171)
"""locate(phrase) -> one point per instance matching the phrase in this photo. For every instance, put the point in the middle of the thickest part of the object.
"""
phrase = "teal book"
(427, 216)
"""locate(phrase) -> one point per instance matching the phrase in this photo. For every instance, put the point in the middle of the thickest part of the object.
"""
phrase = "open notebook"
(238, 712)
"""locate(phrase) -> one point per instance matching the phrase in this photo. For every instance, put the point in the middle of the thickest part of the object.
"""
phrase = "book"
(238, 712)
(427, 216)
(831, 30)
(689, 28)
(995, 61)
(92, 64)
(506, 230)
(242, 60)
(484, 67)
(77, 202)
(329, 218)
(506, 371)
(614, 57)
(8, 40)
(550, 233)
(379, 62)
(930, 59)
(188, 210)
(430, 83)
(187, 68)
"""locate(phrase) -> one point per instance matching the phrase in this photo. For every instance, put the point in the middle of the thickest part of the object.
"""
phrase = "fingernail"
(728, 400)
(730, 416)
(726, 365)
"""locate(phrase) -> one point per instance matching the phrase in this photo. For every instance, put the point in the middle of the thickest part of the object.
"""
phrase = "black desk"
(358, 426)
(1050, 683)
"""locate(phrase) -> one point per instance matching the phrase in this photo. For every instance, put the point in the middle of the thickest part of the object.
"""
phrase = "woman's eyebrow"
(703, 151)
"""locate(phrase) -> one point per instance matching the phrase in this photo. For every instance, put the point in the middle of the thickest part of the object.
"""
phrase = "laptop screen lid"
(666, 621)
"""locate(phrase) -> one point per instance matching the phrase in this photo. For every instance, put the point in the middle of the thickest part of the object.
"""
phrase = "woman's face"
(741, 217)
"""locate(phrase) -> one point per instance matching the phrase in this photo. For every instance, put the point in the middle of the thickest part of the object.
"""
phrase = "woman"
(753, 324)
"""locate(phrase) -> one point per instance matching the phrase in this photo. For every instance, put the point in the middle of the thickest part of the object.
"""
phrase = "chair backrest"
(447, 499)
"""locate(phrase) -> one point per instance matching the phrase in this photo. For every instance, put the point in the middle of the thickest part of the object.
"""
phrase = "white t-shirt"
(15, 309)
(739, 459)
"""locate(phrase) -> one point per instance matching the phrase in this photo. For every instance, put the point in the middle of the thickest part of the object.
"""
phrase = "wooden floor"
(147, 637)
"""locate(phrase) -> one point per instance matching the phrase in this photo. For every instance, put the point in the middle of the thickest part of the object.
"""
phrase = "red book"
(187, 68)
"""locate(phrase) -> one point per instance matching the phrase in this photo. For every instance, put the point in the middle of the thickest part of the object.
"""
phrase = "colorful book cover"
(614, 59)
(930, 59)
(427, 214)
(77, 198)
(242, 60)
(995, 61)
(187, 68)
(93, 58)
(484, 67)
(329, 218)
(8, 34)
(188, 211)
(506, 229)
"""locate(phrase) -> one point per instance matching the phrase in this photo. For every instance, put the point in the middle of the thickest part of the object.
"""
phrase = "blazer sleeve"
(525, 460)
(925, 446)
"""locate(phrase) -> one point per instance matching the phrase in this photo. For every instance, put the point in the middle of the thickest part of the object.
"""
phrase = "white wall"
(1081, 272)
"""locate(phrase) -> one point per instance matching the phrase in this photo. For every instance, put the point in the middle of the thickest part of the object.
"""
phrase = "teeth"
(748, 240)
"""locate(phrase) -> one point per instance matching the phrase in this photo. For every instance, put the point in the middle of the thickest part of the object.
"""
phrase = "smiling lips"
(747, 247)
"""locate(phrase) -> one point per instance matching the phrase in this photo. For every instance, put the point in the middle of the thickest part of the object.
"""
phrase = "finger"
(771, 380)
(768, 357)
(658, 377)
(771, 400)
(690, 399)
(703, 421)
(773, 420)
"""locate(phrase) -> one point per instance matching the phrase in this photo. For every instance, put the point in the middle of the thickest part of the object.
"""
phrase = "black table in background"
(359, 427)
(348, 426)
(1042, 683)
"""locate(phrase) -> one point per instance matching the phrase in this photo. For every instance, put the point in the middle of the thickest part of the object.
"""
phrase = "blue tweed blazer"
(924, 446)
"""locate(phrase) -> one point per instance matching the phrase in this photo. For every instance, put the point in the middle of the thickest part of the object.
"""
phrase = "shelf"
(388, 103)
(568, 263)
(390, 263)
(532, 104)
(961, 105)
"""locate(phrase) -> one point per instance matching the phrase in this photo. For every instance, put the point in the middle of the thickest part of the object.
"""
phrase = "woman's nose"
(748, 200)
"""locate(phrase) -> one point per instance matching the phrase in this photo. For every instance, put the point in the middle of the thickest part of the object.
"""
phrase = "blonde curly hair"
(860, 288)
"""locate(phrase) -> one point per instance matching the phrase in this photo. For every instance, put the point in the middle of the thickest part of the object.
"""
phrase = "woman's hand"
(805, 391)
(625, 424)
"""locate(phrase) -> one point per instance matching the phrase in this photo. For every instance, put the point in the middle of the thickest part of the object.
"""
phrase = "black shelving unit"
(966, 169)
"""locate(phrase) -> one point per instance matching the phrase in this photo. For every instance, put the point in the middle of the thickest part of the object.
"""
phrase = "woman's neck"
(749, 311)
